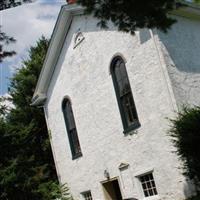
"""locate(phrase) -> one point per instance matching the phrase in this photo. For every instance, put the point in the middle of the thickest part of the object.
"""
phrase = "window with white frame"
(87, 195)
(148, 185)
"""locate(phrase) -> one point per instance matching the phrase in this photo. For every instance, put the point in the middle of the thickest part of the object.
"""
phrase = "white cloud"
(27, 23)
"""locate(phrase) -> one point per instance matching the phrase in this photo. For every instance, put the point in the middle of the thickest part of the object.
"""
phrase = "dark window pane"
(131, 110)
(126, 86)
(148, 185)
(151, 176)
(153, 184)
(123, 69)
(75, 141)
(147, 178)
(87, 195)
(123, 86)
(151, 192)
(155, 191)
(142, 179)
(146, 194)
(120, 87)
(144, 186)
(123, 93)
(128, 107)
(118, 73)
(70, 117)
(125, 106)
(71, 128)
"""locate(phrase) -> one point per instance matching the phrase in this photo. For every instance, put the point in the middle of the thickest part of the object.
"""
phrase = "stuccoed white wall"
(83, 75)
(181, 48)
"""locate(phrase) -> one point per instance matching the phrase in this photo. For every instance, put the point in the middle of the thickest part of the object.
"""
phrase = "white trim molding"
(56, 43)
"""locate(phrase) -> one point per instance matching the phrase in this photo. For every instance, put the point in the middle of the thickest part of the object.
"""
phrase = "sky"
(26, 23)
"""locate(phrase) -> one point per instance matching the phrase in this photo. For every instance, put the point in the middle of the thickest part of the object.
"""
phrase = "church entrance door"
(112, 190)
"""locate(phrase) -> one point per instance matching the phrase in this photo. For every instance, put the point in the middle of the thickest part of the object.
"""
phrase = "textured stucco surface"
(181, 49)
(83, 74)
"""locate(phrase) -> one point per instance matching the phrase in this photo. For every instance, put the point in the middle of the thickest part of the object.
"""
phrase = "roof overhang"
(56, 43)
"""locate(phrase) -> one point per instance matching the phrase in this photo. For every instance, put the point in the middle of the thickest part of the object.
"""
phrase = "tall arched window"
(71, 129)
(124, 95)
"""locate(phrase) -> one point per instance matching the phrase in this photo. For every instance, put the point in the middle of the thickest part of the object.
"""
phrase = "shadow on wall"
(189, 189)
(144, 35)
(183, 44)
(181, 50)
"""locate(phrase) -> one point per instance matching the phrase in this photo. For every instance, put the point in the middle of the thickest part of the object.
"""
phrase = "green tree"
(132, 14)
(4, 41)
(197, 1)
(128, 15)
(26, 167)
(185, 133)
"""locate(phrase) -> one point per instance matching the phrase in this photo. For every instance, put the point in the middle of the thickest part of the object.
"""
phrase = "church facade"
(108, 97)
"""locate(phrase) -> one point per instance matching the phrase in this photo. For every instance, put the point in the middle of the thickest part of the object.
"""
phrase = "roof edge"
(56, 42)
(38, 100)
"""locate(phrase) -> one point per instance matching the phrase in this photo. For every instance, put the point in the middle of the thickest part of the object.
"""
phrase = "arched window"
(124, 95)
(71, 129)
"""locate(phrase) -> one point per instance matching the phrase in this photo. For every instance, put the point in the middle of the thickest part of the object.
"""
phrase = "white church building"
(108, 97)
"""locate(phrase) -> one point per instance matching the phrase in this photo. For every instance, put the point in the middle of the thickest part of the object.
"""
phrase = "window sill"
(74, 157)
(155, 197)
(133, 127)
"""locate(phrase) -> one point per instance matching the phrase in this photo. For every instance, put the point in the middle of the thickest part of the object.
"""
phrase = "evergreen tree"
(185, 132)
(197, 1)
(27, 169)
(5, 40)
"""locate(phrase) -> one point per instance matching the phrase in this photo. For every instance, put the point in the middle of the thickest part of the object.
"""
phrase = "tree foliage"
(26, 164)
(197, 1)
(185, 132)
(128, 15)
(4, 41)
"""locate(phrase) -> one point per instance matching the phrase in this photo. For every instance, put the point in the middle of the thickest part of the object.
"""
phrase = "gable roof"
(57, 40)
(56, 43)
